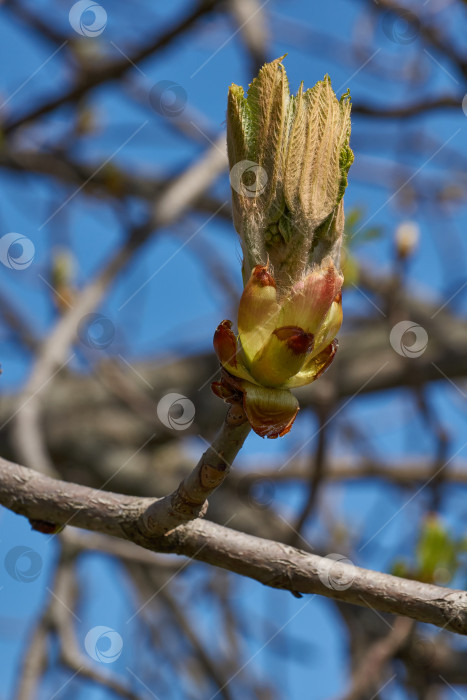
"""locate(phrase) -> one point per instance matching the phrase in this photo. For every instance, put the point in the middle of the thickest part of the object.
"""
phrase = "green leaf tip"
(297, 148)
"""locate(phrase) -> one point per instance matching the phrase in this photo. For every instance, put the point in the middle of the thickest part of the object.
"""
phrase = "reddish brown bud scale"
(271, 415)
(225, 343)
(262, 275)
(333, 283)
(221, 391)
(296, 339)
(330, 352)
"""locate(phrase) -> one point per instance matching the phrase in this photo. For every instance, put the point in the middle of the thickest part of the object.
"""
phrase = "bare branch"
(39, 497)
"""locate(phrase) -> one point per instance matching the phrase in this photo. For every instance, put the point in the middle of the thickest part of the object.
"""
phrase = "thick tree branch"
(40, 497)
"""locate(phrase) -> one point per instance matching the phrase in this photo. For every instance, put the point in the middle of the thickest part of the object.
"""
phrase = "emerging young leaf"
(289, 158)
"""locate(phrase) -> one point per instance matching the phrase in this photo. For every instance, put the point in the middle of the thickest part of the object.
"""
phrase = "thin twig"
(189, 500)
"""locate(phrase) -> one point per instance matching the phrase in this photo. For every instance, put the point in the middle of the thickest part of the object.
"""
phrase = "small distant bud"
(62, 279)
(407, 237)
(87, 122)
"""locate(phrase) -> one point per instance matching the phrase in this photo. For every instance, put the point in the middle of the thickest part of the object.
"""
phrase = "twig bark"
(189, 500)
(37, 496)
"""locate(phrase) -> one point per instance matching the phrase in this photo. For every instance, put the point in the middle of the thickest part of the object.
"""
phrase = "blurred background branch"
(114, 174)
